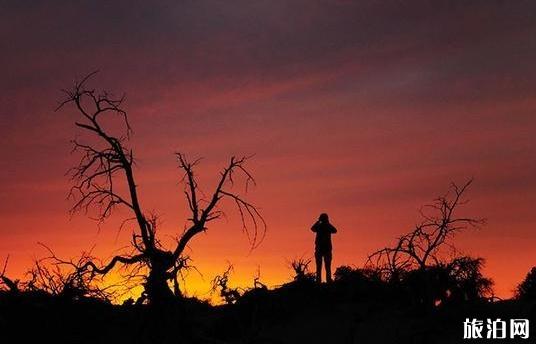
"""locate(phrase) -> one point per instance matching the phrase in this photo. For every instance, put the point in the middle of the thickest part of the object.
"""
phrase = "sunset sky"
(362, 109)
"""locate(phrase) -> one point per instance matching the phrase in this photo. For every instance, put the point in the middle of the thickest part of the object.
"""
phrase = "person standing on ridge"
(323, 230)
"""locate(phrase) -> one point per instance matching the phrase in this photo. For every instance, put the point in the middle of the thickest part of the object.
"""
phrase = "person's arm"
(333, 229)
(314, 227)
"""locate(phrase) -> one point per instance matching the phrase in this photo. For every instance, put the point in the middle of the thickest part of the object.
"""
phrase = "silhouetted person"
(323, 230)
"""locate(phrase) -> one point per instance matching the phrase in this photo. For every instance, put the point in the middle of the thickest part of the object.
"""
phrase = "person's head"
(323, 217)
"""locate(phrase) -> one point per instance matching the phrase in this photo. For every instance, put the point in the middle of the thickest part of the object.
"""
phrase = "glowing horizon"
(348, 109)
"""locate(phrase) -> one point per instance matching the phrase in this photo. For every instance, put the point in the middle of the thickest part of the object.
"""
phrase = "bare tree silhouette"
(425, 243)
(6, 282)
(221, 282)
(68, 278)
(107, 161)
(300, 267)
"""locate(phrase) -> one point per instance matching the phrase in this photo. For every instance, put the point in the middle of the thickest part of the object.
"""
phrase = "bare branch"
(200, 217)
(103, 180)
(416, 248)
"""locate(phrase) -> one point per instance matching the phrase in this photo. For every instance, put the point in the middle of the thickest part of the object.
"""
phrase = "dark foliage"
(349, 310)
(527, 288)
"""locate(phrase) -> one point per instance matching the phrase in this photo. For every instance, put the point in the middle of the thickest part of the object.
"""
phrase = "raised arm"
(332, 229)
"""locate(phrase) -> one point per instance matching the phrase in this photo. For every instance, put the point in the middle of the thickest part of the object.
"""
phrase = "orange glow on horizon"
(348, 109)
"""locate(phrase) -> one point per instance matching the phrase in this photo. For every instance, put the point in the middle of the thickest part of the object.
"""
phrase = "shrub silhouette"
(228, 294)
(527, 288)
(300, 266)
(467, 282)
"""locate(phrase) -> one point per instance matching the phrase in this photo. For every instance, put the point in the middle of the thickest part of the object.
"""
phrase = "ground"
(294, 313)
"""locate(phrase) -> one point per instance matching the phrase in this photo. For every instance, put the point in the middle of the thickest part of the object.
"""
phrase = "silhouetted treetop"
(104, 179)
(424, 245)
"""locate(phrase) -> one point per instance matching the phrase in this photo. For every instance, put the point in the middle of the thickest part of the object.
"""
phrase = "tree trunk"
(156, 286)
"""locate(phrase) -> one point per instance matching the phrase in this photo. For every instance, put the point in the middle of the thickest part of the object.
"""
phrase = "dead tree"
(67, 278)
(300, 267)
(10, 284)
(257, 284)
(104, 179)
(221, 282)
(423, 246)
